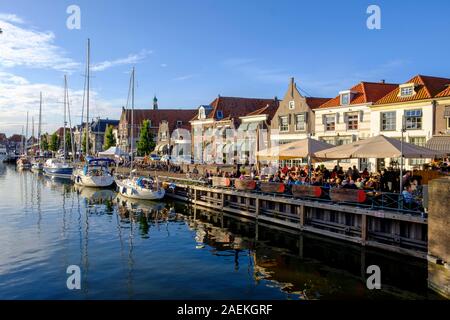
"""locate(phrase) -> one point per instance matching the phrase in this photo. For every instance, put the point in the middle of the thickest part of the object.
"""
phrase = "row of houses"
(420, 105)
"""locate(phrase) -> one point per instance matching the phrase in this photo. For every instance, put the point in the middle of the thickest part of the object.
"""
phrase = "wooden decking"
(387, 230)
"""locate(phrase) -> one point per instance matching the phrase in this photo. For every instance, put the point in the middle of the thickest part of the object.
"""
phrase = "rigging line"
(304, 91)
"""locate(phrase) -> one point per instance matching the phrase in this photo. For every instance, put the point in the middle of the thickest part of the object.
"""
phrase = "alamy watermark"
(374, 280)
(73, 21)
(374, 20)
(74, 280)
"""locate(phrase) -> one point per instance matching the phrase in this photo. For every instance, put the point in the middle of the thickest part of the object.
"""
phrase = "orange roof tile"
(314, 102)
(364, 92)
(444, 93)
(426, 88)
(234, 107)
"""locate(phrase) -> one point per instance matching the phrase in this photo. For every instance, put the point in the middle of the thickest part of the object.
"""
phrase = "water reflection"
(131, 249)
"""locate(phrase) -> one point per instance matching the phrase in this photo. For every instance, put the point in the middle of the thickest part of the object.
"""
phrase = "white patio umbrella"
(378, 147)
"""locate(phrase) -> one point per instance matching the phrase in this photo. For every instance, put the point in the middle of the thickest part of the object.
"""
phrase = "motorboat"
(23, 163)
(3, 153)
(58, 168)
(95, 173)
(140, 188)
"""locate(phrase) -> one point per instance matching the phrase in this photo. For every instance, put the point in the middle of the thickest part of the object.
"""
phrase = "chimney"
(383, 81)
(292, 86)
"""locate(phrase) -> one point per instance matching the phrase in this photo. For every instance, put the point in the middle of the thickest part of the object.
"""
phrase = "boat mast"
(132, 118)
(72, 143)
(39, 126)
(65, 122)
(26, 138)
(87, 95)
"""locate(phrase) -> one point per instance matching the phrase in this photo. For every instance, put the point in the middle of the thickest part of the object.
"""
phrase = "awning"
(439, 143)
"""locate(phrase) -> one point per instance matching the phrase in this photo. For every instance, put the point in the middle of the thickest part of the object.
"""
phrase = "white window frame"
(284, 128)
(394, 121)
(356, 115)
(347, 95)
(302, 122)
(412, 120)
(326, 122)
(406, 90)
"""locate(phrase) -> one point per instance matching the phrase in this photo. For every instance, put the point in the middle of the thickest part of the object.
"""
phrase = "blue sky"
(187, 52)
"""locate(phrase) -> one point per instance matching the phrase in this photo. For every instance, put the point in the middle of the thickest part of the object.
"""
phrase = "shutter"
(361, 115)
(345, 117)
(337, 118)
(306, 117)
(323, 119)
(289, 119)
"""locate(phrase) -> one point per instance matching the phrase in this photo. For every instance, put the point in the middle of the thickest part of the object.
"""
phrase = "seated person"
(408, 198)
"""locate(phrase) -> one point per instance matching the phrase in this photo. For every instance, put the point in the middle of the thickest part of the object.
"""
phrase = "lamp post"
(403, 129)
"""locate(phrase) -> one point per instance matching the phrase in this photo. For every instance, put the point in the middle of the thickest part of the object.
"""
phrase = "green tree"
(145, 143)
(109, 140)
(54, 142)
(44, 142)
(83, 144)
(68, 141)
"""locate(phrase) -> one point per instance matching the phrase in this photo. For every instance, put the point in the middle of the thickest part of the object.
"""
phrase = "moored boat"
(58, 168)
(23, 163)
(95, 173)
(140, 188)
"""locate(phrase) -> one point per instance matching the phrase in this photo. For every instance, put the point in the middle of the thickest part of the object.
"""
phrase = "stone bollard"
(439, 236)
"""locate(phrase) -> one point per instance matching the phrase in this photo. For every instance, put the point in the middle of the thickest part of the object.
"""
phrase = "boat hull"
(64, 173)
(131, 191)
(93, 181)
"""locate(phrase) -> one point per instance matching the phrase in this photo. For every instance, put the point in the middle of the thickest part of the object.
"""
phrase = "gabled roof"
(159, 115)
(314, 102)
(444, 93)
(235, 107)
(269, 110)
(3, 137)
(426, 87)
(364, 92)
(16, 138)
(100, 124)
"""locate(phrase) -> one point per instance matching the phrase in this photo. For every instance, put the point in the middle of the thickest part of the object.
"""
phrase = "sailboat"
(37, 165)
(23, 162)
(136, 187)
(95, 173)
(59, 167)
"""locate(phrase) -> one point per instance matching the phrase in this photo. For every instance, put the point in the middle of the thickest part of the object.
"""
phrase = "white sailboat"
(37, 165)
(23, 162)
(142, 188)
(59, 167)
(95, 173)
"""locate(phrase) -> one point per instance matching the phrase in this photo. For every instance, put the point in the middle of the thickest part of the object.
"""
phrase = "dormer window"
(345, 97)
(201, 113)
(406, 90)
(291, 105)
(219, 114)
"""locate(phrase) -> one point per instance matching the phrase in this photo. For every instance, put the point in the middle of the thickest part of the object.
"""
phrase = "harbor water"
(128, 249)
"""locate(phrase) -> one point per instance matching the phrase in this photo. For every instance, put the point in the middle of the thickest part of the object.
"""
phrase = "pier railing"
(376, 200)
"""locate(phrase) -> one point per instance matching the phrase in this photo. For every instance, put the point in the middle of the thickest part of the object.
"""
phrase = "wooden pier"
(383, 229)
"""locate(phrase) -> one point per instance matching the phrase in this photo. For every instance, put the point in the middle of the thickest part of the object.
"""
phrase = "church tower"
(155, 103)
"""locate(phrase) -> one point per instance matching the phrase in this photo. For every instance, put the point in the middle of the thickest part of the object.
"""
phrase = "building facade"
(294, 118)
(413, 107)
(347, 118)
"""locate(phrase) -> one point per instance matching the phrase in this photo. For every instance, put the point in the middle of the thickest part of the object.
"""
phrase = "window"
(407, 91)
(352, 121)
(284, 124)
(388, 121)
(330, 122)
(300, 122)
(345, 98)
(413, 119)
(448, 123)
(421, 142)
(291, 105)
(329, 140)
(219, 114)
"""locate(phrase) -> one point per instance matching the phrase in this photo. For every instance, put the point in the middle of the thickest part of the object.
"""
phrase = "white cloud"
(18, 96)
(20, 46)
(163, 65)
(8, 17)
(186, 77)
(131, 59)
